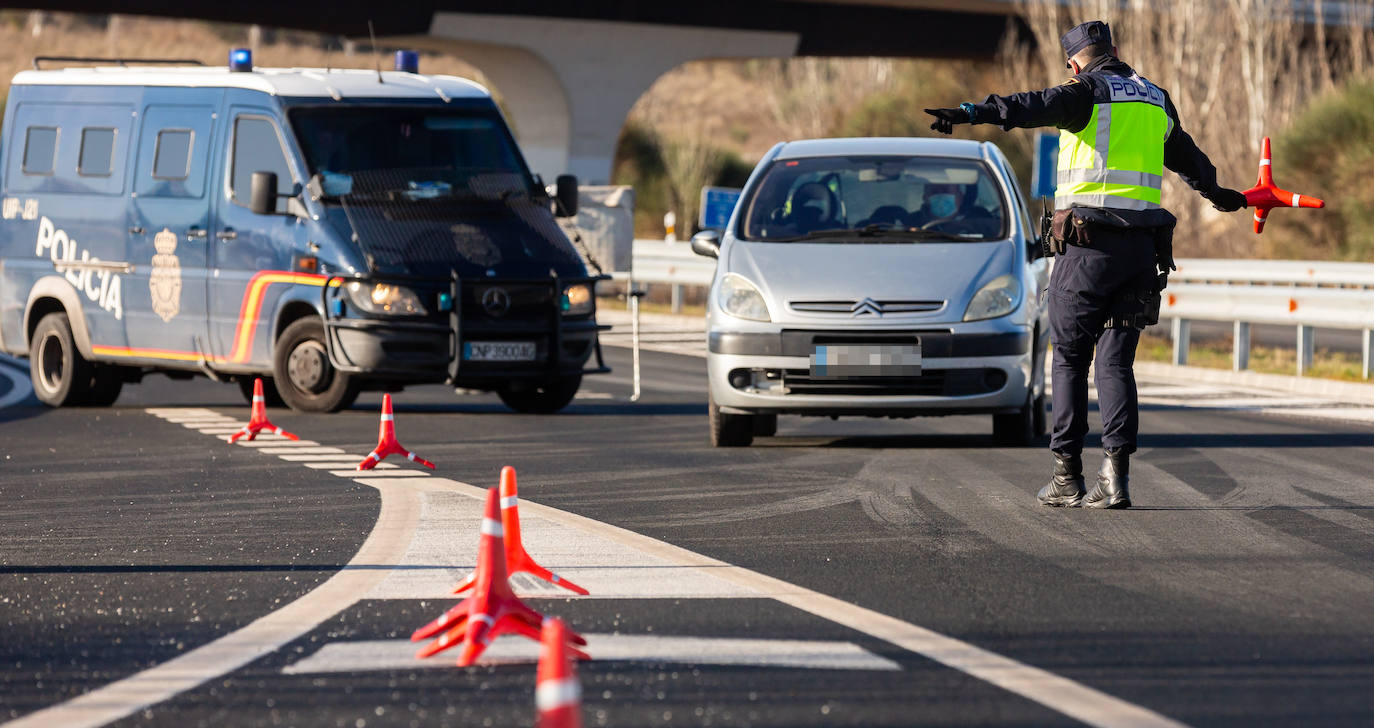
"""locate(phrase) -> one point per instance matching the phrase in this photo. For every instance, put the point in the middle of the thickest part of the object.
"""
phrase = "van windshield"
(862, 199)
(341, 144)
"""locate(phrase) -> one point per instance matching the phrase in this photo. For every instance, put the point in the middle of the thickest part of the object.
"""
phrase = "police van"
(328, 230)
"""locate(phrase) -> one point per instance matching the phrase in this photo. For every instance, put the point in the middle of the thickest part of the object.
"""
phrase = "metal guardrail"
(1306, 295)
(1303, 294)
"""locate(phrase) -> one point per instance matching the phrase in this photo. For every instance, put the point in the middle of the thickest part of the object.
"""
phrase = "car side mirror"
(565, 196)
(707, 243)
(262, 195)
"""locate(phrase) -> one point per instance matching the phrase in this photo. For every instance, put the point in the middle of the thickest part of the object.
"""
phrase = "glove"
(1227, 200)
(945, 119)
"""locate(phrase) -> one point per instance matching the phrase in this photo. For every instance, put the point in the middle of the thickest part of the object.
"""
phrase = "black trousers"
(1083, 286)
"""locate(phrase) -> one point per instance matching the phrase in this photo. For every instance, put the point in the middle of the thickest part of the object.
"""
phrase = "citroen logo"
(866, 307)
(496, 302)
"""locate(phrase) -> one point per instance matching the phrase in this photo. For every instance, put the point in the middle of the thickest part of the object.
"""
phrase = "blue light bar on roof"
(241, 59)
(407, 61)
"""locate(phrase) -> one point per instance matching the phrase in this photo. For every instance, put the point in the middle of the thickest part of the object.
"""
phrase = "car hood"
(942, 277)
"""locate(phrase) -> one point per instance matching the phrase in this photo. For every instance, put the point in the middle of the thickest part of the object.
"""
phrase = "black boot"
(1112, 482)
(1066, 487)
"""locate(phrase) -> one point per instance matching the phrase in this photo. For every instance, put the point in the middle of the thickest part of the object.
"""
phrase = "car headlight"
(385, 298)
(577, 300)
(741, 299)
(998, 298)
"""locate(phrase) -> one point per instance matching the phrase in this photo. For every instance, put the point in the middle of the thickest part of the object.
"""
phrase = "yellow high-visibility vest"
(1117, 160)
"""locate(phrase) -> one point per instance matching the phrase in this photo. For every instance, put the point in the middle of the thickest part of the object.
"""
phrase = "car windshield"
(866, 199)
(340, 144)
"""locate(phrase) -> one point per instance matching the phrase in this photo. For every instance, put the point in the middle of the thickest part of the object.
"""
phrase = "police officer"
(1119, 131)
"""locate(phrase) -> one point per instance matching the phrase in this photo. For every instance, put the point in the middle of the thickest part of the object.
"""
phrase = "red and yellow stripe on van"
(249, 313)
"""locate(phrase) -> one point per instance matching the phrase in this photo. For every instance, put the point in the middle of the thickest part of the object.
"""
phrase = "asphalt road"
(1237, 592)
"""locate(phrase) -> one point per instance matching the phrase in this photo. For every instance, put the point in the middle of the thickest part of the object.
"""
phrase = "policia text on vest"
(1119, 132)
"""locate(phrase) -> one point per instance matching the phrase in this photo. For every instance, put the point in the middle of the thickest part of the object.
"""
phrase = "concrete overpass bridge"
(570, 70)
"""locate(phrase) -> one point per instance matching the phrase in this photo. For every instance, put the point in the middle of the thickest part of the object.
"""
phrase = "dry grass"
(1216, 354)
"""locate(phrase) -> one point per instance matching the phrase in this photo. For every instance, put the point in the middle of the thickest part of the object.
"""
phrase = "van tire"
(60, 375)
(729, 430)
(765, 425)
(106, 383)
(542, 399)
(269, 391)
(304, 377)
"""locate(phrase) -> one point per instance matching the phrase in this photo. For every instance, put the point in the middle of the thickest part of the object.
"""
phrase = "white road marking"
(354, 472)
(594, 395)
(1357, 414)
(384, 545)
(280, 449)
(372, 655)
(340, 464)
(20, 387)
(445, 550)
(389, 542)
(334, 455)
(268, 440)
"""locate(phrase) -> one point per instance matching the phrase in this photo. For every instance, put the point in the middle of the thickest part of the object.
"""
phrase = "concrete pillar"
(569, 84)
(1304, 349)
(1181, 331)
(1240, 346)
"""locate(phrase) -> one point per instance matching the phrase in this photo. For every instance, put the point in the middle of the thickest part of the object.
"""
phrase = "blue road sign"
(1046, 161)
(717, 204)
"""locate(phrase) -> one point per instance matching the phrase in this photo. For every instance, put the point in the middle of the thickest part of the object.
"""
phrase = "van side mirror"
(707, 243)
(565, 196)
(262, 196)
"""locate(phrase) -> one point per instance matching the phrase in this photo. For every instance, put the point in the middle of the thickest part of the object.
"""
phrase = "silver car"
(877, 277)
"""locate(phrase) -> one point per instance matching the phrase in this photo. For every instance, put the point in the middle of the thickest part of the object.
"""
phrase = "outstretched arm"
(1068, 106)
(1182, 155)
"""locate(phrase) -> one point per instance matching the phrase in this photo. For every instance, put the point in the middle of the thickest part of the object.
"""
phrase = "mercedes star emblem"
(496, 302)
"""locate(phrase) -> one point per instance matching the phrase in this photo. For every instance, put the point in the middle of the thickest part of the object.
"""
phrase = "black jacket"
(1069, 106)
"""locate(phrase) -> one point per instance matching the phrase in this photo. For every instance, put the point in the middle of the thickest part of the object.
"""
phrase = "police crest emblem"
(165, 280)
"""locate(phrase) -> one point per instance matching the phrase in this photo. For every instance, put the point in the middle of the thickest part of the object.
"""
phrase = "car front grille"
(866, 306)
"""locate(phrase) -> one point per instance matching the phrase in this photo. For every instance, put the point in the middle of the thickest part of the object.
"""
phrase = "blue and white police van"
(327, 230)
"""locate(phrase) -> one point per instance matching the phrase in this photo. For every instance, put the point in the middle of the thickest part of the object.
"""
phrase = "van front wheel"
(61, 376)
(305, 378)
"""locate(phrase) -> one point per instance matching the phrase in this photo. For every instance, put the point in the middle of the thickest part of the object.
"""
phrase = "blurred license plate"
(498, 351)
(866, 360)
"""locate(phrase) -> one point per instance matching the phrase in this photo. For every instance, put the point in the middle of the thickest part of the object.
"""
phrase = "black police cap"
(1082, 36)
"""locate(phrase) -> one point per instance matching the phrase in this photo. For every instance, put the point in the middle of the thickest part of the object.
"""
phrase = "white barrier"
(1299, 293)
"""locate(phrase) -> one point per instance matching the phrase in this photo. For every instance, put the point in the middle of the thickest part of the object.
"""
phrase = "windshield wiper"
(876, 230)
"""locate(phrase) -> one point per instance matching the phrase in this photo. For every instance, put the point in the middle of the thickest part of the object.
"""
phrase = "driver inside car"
(953, 208)
(812, 209)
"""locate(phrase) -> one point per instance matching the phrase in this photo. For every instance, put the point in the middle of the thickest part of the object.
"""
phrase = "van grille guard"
(428, 219)
(454, 329)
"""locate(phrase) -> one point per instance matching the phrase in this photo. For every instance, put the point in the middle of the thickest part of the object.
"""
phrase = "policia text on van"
(331, 230)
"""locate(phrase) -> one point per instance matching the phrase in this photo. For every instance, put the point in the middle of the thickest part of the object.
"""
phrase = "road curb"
(1351, 392)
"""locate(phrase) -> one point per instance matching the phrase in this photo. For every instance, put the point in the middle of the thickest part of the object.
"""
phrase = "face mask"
(941, 205)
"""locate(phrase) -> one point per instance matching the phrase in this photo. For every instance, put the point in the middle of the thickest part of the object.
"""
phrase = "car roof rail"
(117, 61)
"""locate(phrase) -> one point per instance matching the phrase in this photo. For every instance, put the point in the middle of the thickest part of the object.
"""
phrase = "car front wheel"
(729, 430)
(61, 376)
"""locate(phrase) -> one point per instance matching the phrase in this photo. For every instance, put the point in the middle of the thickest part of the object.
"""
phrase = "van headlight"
(577, 300)
(385, 298)
(741, 299)
(998, 298)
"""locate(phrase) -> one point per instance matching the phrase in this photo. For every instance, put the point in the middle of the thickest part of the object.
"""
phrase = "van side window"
(172, 157)
(40, 150)
(97, 153)
(257, 148)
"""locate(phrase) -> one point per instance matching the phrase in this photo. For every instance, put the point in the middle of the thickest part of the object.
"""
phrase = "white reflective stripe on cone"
(509, 502)
(388, 417)
(555, 694)
(492, 527)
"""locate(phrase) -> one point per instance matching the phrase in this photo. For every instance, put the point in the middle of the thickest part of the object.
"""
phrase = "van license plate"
(866, 360)
(498, 351)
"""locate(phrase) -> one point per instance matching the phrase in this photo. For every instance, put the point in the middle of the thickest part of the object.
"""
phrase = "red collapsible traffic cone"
(386, 442)
(1265, 195)
(516, 558)
(257, 421)
(493, 609)
(558, 694)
